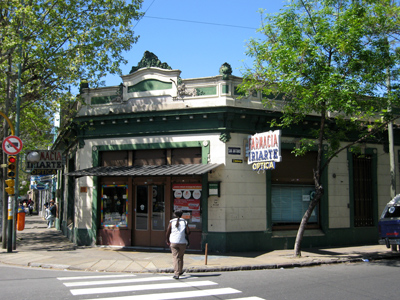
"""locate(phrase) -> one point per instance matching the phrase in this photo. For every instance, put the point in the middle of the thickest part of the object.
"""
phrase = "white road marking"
(131, 288)
(95, 277)
(118, 281)
(175, 295)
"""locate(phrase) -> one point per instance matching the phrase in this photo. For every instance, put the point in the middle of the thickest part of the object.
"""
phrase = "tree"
(58, 43)
(328, 59)
(49, 46)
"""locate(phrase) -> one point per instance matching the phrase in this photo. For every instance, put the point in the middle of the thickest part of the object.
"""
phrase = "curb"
(282, 265)
(328, 260)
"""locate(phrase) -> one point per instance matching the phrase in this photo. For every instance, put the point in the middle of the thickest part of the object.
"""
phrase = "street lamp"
(33, 157)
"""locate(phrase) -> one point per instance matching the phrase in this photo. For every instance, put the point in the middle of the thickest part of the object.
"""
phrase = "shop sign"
(234, 150)
(50, 161)
(187, 198)
(44, 172)
(40, 182)
(264, 150)
(237, 161)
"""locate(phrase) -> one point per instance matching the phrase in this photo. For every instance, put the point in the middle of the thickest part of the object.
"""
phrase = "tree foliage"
(58, 43)
(328, 59)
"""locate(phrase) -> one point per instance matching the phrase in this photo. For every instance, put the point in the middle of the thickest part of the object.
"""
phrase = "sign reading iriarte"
(264, 150)
(50, 161)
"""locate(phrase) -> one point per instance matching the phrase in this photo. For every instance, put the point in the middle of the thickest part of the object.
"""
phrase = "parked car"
(389, 224)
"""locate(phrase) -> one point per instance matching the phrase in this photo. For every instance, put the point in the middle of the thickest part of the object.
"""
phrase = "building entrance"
(149, 214)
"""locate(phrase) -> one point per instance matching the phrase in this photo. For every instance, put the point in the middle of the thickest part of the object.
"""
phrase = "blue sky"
(184, 34)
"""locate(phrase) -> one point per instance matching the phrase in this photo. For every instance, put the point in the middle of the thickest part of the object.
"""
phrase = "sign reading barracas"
(265, 150)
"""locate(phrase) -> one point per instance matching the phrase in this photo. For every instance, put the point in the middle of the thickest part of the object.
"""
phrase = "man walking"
(52, 213)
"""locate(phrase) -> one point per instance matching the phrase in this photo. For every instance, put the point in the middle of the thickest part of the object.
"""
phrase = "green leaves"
(333, 60)
(330, 58)
(58, 43)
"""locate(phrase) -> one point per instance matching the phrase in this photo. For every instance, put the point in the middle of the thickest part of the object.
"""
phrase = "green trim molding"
(206, 91)
(205, 150)
(102, 100)
(150, 85)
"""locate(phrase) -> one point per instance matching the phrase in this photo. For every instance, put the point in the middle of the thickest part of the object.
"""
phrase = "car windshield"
(392, 212)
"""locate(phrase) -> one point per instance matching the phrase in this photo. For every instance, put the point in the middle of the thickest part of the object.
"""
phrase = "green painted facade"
(220, 120)
(102, 100)
(225, 89)
(225, 122)
(206, 91)
(149, 85)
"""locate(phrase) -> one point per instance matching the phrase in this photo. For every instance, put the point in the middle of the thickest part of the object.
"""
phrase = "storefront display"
(114, 203)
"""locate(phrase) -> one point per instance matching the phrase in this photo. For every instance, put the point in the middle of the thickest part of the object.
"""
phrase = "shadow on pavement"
(37, 237)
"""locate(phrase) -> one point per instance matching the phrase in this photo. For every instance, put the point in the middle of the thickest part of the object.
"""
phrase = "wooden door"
(149, 223)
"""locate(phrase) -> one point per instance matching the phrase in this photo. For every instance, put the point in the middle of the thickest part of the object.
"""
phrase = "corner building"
(155, 143)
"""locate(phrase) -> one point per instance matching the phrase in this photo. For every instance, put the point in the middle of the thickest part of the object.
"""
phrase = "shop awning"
(148, 170)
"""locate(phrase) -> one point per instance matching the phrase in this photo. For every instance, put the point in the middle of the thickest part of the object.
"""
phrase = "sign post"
(12, 145)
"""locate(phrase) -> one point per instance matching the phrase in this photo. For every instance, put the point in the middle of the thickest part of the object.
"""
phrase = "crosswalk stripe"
(175, 295)
(95, 277)
(116, 289)
(119, 281)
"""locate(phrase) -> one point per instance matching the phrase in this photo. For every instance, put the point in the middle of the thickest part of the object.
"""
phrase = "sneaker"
(175, 277)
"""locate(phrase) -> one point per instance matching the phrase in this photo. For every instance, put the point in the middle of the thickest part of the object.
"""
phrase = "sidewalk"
(38, 246)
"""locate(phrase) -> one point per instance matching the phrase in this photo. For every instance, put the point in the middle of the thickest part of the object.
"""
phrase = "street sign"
(12, 145)
(41, 186)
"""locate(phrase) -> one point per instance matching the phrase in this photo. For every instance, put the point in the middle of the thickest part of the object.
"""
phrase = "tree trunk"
(303, 223)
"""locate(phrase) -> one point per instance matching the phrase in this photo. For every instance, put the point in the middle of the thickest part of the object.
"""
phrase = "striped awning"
(147, 170)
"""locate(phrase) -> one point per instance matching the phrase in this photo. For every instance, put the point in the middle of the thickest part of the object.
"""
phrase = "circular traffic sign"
(12, 145)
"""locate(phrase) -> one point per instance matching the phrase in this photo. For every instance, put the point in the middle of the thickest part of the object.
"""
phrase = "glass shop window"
(292, 190)
(114, 205)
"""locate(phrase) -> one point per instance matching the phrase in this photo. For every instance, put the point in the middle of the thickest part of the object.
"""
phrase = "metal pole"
(10, 223)
(17, 121)
(10, 212)
(391, 144)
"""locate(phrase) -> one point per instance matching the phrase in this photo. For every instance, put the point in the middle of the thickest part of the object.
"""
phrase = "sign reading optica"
(265, 150)
(50, 161)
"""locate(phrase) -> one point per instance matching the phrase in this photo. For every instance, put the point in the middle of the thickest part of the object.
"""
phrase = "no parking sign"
(12, 145)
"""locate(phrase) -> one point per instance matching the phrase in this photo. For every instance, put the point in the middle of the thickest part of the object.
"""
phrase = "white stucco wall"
(242, 205)
(338, 192)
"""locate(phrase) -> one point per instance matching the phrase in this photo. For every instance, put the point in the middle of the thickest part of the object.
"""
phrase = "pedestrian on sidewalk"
(52, 213)
(177, 238)
(46, 212)
(30, 206)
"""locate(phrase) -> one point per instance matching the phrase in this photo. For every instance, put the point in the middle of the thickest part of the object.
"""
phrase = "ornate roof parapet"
(148, 60)
(225, 70)
(183, 91)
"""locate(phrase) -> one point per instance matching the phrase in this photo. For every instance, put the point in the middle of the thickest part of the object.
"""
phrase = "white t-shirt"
(178, 233)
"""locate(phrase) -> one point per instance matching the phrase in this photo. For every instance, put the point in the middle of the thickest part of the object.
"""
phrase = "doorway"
(149, 212)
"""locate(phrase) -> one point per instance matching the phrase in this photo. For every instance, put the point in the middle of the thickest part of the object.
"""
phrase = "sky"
(197, 36)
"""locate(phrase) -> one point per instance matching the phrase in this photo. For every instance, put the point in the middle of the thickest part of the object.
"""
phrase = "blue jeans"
(51, 221)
